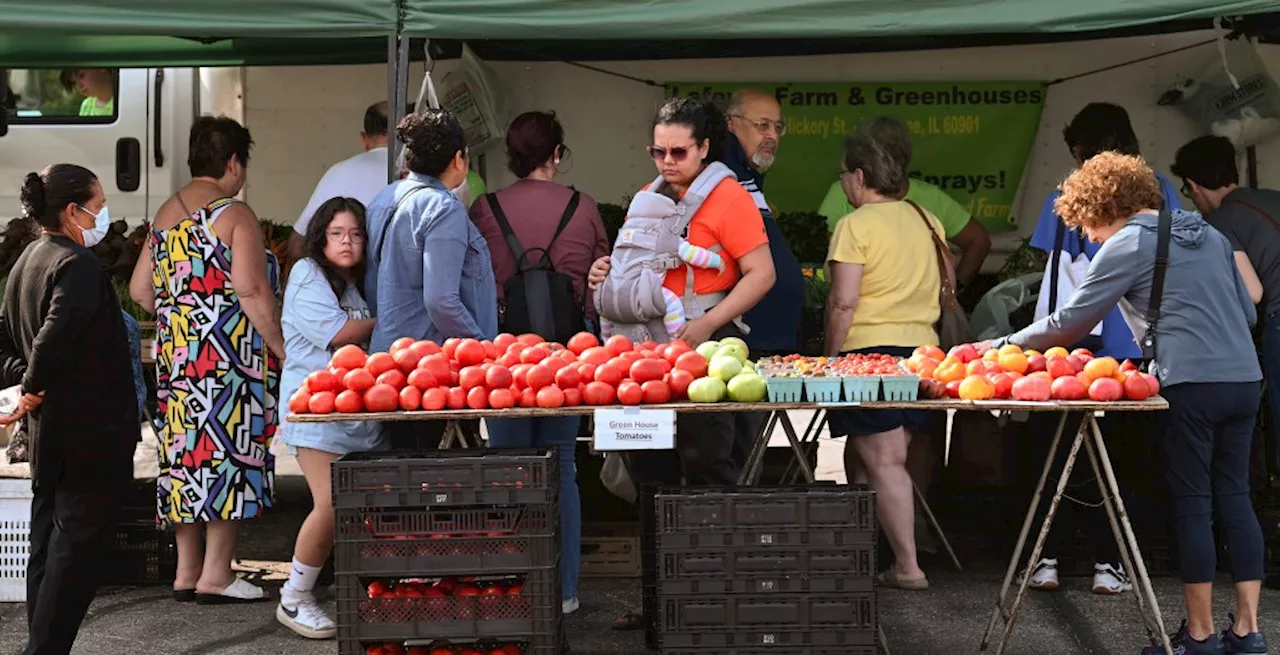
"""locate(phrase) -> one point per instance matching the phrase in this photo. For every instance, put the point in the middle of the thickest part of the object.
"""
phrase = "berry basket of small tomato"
(865, 375)
(451, 607)
(389, 541)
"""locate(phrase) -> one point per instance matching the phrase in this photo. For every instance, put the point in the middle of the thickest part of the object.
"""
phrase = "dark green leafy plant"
(807, 235)
(612, 216)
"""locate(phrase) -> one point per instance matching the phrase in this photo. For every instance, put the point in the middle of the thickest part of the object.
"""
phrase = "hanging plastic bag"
(1235, 97)
(473, 94)
(429, 99)
(991, 317)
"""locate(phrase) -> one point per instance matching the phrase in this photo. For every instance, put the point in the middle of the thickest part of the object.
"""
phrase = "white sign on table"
(632, 428)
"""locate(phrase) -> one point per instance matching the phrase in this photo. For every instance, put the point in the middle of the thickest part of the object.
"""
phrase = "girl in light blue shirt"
(323, 311)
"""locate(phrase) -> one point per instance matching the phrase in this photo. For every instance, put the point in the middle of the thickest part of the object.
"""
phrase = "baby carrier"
(646, 248)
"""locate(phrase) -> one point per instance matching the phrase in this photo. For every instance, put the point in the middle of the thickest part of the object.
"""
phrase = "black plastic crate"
(442, 541)
(803, 650)
(765, 538)
(751, 562)
(768, 611)
(762, 586)
(539, 645)
(534, 611)
(141, 554)
(815, 508)
(446, 477)
(777, 642)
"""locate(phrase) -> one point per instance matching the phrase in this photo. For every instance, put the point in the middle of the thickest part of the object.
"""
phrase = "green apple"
(708, 349)
(707, 390)
(724, 367)
(747, 388)
(728, 340)
(733, 350)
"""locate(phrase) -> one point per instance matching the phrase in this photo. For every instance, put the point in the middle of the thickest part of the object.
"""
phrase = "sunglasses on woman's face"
(679, 153)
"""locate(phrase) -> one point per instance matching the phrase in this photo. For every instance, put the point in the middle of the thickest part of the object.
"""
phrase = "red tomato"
(349, 402)
(646, 345)
(393, 378)
(567, 377)
(339, 374)
(673, 350)
(511, 649)
(646, 370)
(410, 399)
(379, 363)
(618, 344)
(435, 398)
(534, 354)
(441, 651)
(469, 352)
(322, 381)
(422, 379)
(498, 377)
(450, 346)
(693, 363)
(457, 398)
(478, 398)
(630, 393)
(554, 363)
(437, 364)
(586, 372)
(679, 380)
(519, 375)
(376, 650)
(528, 398)
(471, 377)
(610, 374)
(299, 403)
(406, 359)
(509, 360)
(428, 347)
(648, 354)
(504, 341)
(399, 344)
(597, 356)
(381, 398)
(530, 339)
(581, 341)
(538, 377)
(502, 399)
(572, 397)
(599, 393)
(348, 357)
(490, 350)
(321, 403)
(628, 359)
(656, 392)
(549, 396)
(359, 380)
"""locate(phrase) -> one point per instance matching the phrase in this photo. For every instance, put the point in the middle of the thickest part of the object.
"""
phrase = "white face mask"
(101, 222)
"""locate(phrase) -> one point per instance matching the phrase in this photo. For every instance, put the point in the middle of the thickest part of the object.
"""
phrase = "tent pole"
(397, 97)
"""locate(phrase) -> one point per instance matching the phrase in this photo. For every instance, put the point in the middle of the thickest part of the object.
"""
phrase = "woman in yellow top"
(883, 299)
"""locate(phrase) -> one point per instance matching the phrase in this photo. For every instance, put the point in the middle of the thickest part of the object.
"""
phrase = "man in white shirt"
(361, 176)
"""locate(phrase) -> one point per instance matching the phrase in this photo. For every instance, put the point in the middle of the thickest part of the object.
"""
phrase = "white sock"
(303, 577)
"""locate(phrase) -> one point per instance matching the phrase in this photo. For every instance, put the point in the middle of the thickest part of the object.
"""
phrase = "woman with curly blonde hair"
(1207, 366)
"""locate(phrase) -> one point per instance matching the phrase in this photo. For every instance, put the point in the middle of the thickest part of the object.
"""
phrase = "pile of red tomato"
(392, 648)
(510, 371)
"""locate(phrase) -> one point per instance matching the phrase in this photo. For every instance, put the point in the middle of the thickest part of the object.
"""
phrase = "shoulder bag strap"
(1055, 259)
(382, 238)
(944, 271)
(1258, 210)
(1157, 281)
(569, 211)
(513, 243)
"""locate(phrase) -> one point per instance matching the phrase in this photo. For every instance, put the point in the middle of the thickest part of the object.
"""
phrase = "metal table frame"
(1088, 435)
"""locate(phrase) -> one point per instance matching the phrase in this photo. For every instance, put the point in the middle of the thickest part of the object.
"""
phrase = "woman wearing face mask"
(208, 276)
(62, 338)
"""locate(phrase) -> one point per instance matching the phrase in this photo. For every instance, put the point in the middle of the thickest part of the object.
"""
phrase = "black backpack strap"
(1157, 282)
(569, 211)
(1056, 257)
(517, 250)
(382, 238)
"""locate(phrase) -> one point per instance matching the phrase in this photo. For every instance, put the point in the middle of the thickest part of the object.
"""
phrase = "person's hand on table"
(599, 271)
(696, 332)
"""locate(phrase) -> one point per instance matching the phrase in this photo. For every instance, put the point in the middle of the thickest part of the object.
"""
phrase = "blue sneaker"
(1254, 643)
(1183, 644)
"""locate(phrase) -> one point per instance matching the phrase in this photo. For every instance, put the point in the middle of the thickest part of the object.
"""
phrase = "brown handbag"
(952, 326)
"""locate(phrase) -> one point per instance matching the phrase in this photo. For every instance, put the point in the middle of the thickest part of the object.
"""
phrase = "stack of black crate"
(448, 552)
(763, 570)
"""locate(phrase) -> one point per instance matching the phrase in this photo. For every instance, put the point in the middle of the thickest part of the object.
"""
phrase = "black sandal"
(184, 595)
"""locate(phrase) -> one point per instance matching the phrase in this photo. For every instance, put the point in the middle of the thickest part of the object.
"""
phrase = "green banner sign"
(971, 139)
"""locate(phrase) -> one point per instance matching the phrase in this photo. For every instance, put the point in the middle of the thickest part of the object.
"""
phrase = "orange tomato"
(977, 387)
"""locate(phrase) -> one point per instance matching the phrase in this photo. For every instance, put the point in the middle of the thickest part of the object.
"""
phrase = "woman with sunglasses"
(689, 135)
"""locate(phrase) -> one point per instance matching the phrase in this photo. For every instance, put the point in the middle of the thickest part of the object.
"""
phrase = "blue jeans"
(562, 433)
(1271, 372)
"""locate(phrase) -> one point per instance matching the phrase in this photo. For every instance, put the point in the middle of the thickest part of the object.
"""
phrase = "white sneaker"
(1110, 580)
(299, 612)
(570, 606)
(1045, 575)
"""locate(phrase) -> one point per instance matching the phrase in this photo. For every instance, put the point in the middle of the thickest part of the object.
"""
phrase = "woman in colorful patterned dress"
(207, 274)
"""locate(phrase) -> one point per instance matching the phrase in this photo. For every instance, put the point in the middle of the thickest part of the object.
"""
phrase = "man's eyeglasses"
(678, 154)
(1186, 188)
(764, 125)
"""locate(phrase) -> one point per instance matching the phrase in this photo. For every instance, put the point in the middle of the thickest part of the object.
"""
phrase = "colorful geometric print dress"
(217, 380)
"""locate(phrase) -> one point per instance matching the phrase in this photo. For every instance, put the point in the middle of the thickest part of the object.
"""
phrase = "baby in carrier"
(651, 242)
